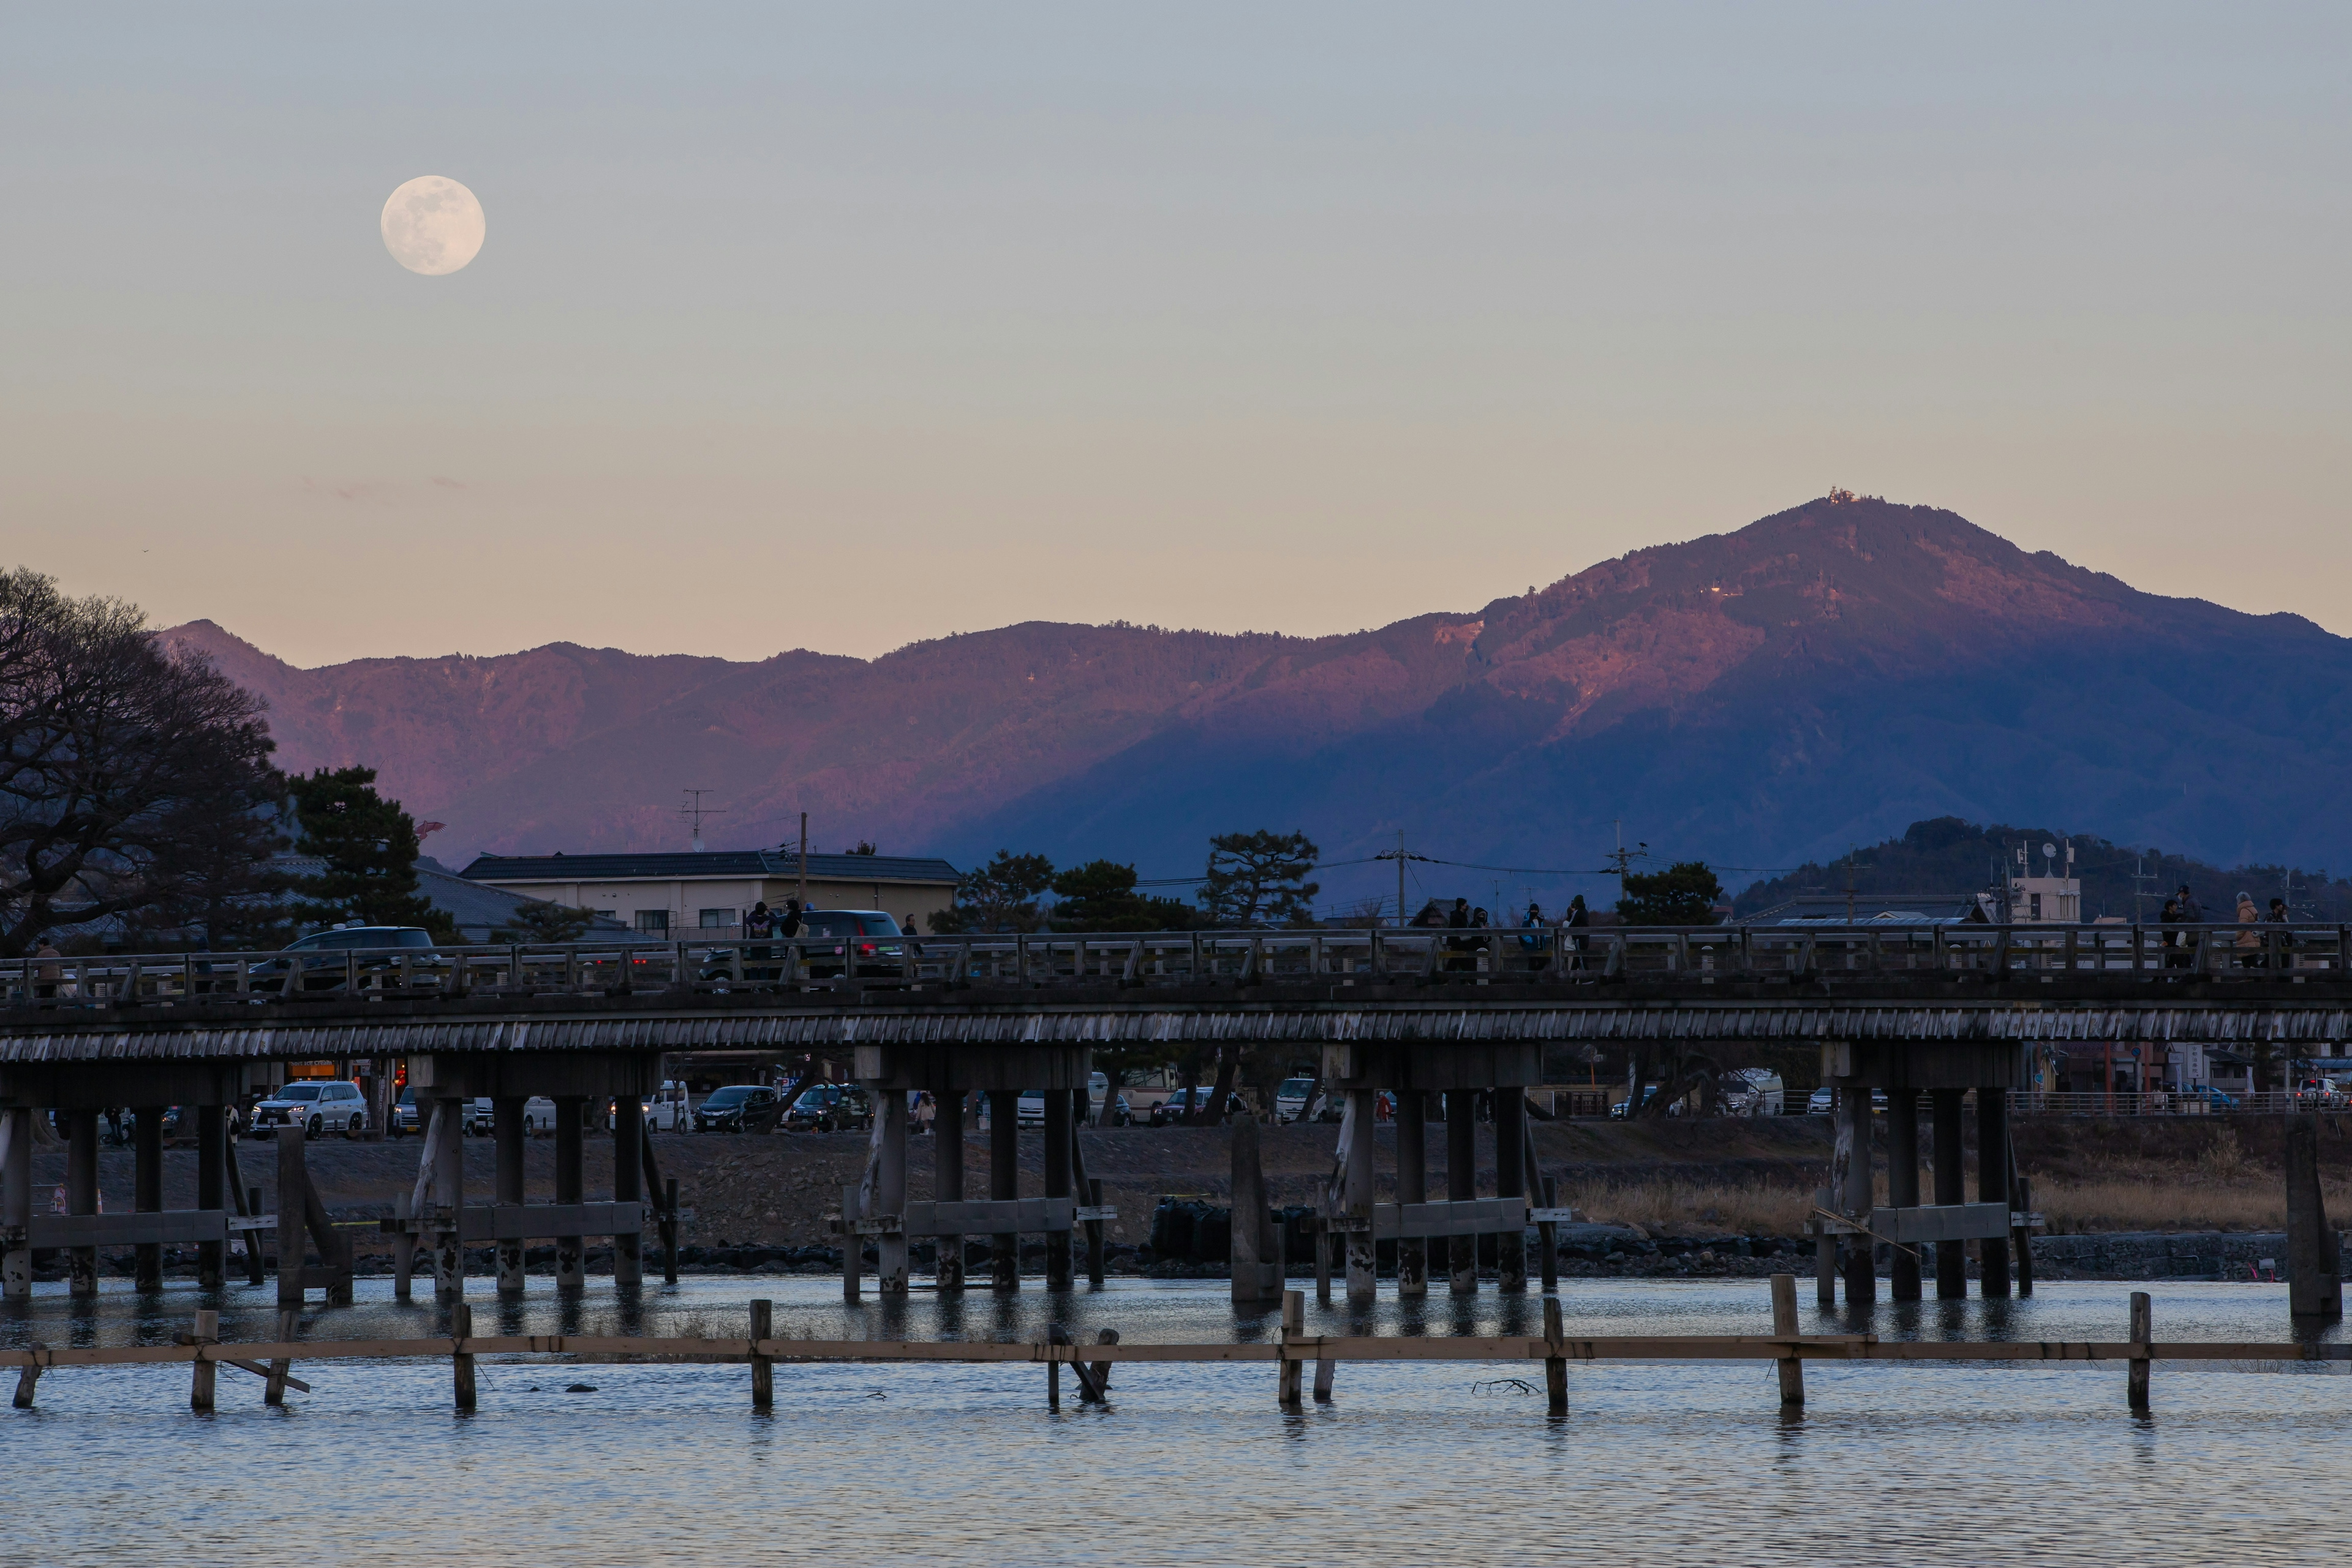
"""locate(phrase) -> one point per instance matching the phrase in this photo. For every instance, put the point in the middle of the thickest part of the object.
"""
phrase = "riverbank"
(1669, 1198)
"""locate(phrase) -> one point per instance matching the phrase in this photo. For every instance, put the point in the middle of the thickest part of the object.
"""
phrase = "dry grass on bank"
(2221, 1191)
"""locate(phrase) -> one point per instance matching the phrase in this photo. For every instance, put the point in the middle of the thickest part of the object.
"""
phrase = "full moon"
(432, 224)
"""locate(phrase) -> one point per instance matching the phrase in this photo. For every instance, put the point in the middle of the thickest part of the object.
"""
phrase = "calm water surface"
(1412, 1464)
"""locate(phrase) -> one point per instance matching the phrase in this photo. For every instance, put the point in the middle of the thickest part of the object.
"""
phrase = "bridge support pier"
(1057, 1184)
(212, 1190)
(1992, 1182)
(1853, 1188)
(1902, 1184)
(1005, 1181)
(507, 1136)
(1951, 1257)
(81, 1196)
(571, 1187)
(890, 1188)
(1413, 1187)
(447, 1200)
(1511, 1181)
(17, 1200)
(947, 1183)
(1363, 1247)
(628, 1185)
(147, 1190)
(1462, 1184)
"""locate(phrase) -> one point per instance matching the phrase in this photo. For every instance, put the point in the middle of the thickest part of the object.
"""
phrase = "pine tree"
(370, 847)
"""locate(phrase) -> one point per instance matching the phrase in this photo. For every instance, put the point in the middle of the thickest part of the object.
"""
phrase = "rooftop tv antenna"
(694, 811)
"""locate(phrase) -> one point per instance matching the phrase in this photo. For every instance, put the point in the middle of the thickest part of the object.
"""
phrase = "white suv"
(314, 1107)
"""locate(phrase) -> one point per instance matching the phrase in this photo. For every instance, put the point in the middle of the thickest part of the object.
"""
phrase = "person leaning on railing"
(2249, 940)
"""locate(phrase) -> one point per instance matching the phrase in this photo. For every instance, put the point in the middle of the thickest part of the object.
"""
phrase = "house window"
(653, 920)
(2035, 899)
(714, 919)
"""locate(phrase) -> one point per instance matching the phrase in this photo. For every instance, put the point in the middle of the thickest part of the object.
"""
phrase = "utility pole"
(1623, 859)
(804, 859)
(2144, 881)
(694, 811)
(1400, 856)
(1851, 890)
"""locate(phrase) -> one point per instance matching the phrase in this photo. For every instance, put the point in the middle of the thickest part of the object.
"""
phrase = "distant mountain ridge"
(1825, 675)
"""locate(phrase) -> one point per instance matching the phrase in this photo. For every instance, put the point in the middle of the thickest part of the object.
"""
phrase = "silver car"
(314, 1107)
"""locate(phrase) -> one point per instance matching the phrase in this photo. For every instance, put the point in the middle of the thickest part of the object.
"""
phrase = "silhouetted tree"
(134, 787)
(1259, 878)
(544, 920)
(1100, 896)
(1683, 894)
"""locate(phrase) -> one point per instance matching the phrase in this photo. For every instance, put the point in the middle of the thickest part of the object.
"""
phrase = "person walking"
(792, 924)
(1457, 949)
(2281, 941)
(1578, 919)
(2191, 914)
(2169, 918)
(50, 971)
(2249, 940)
(1532, 944)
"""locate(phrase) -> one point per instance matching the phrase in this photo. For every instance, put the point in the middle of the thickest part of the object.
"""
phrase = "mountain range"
(1820, 677)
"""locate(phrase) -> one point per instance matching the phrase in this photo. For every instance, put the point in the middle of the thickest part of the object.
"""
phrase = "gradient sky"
(839, 327)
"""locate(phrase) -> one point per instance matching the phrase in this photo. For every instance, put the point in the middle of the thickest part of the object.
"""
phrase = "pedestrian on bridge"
(2249, 940)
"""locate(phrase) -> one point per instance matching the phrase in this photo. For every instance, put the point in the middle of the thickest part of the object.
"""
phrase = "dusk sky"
(842, 327)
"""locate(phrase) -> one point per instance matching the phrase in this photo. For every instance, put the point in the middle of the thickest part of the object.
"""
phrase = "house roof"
(1876, 908)
(706, 864)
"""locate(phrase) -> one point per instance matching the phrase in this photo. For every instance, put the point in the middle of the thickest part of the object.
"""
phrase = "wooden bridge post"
(1462, 1184)
(1005, 1181)
(947, 1183)
(1951, 1257)
(1058, 1135)
(2142, 1329)
(1287, 1381)
(82, 1194)
(147, 1190)
(212, 1191)
(507, 1138)
(2315, 1269)
(571, 1187)
(890, 1189)
(1784, 1327)
(1902, 1182)
(273, 1392)
(1554, 1360)
(461, 1361)
(202, 1374)
(1413, 1187)
(628, 1185)
(1363, 1247)
(1992, 1182)
(763, 1368)
(1510, 1182)
(16, 1201)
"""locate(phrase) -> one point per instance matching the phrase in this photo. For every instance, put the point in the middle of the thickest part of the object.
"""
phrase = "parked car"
(865, 924)
(1753, 1091)
(313, 1106)
(407, 1116)
(737, 1108)
(830, 1107)
(2314, 1094)
(1121, 1113)
(1825, 1097)
(1290, 1100)
(1177, 1106)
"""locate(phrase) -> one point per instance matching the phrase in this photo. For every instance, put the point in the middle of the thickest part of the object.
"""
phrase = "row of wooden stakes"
(272, 1361)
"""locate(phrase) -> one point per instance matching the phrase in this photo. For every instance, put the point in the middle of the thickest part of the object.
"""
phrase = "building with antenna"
(656, 894)
(2054, 897)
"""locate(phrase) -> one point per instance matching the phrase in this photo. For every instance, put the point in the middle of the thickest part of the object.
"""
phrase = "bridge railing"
(1502, 955)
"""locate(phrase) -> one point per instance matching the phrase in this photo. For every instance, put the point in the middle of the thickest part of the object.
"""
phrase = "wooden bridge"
(1936, 1010)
